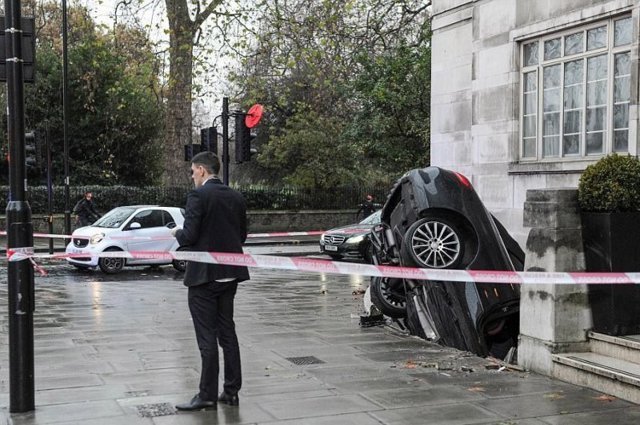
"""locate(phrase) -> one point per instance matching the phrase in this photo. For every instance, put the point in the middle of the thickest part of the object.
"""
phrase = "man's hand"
(175, 230)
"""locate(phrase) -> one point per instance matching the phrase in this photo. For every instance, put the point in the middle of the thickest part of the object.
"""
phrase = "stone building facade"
(527, 93)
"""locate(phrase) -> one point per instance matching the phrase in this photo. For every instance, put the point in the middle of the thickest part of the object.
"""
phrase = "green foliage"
(310, 153)
(346, 87)
(258, 197)
(115, 116)
(611, 185)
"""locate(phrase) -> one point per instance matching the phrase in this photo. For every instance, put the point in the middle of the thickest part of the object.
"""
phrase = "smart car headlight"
(356, 239)
(96, 239)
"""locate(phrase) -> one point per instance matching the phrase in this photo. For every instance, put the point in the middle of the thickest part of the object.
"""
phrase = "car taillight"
(462, 179)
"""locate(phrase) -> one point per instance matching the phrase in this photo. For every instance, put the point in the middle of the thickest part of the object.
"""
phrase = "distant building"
(527, 93)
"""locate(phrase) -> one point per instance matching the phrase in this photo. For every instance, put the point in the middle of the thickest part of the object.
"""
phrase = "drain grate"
(155, 410)
(306, 360)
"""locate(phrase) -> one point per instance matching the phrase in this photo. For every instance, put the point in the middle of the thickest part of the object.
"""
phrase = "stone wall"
(553, 318)
(475, 97)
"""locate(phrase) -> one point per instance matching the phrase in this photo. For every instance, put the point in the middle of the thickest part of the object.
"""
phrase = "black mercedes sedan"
(350, 241)
(433, 218)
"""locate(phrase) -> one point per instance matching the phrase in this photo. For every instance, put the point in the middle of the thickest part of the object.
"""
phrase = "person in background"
(367, 207)
(215, 221)
(85, 210)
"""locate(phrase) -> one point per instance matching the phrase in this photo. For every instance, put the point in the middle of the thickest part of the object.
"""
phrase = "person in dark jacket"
(85, 210)
(367, 207)
(215, 221)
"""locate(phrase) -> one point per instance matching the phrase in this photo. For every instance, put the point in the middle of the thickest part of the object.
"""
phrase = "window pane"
(551, 77)
(571, 144)
(530, 104)
(597, 93)
(596, 119)
(597, 68)
(573, 97)
(597, 38)
(552, 49)
(550, 146)
(551, 101)
(621, 89)
(621, 116)
(531, 54)
(551, 124)
(622, 32)
(622, 64)
(529, 149)
(529, 129)
(573, 43)
(621, 141)
(595, 143)
(573, 72)
(572, 121)
(530, 81)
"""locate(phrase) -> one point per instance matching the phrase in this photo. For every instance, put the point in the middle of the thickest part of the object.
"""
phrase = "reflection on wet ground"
(119, 349)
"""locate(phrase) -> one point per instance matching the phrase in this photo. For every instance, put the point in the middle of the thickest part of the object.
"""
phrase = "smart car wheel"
(111, 265)
(389, 296)
(179, 265)
(433, 242)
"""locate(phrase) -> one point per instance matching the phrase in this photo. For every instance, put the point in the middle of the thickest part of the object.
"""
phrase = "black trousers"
(211, 307)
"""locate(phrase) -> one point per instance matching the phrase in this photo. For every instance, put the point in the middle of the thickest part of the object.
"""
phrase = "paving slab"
(112, 349)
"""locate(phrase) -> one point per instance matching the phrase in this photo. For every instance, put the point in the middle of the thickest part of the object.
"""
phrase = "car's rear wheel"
(389, 296)
(433, 242)
(111, 265)
(179, 265)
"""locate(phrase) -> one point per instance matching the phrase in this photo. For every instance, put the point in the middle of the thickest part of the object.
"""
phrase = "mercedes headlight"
(356, 239)
(96, 239)
(322, 238)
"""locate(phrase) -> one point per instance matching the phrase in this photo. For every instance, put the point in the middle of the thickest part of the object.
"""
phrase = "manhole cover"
(154, 410)
(301, 361)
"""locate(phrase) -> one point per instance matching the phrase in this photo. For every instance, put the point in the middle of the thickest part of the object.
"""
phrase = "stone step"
(620, 378)
(619, 347)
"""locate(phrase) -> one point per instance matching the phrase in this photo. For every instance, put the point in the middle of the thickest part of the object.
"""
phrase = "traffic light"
(209, 140)
(32, 153)
(243, 140)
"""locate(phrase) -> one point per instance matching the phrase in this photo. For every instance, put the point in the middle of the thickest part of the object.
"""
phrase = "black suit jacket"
(215, 221)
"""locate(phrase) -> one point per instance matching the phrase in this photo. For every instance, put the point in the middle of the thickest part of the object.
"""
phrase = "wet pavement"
(121, 350)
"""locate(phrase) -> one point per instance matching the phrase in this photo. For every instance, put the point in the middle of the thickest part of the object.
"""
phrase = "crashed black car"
(433, 218)
(350, 241)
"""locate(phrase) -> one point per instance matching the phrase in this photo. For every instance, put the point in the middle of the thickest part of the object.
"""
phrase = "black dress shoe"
(231, 400)
(197, 403)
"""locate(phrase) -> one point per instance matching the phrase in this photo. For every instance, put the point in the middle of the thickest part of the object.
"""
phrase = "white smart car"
(129, 228)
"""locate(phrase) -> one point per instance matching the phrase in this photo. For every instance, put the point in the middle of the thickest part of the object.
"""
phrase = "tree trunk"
(178, 113)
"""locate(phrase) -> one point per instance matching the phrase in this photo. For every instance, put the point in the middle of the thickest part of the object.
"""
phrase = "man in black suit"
(215, 221)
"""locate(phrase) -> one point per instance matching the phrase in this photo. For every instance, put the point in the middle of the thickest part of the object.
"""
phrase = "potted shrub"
(609, 197)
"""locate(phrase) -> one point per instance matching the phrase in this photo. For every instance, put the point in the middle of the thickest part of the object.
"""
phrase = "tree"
(113, 101)
(362, 65)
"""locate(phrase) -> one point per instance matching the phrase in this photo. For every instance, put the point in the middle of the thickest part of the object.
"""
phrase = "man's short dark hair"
(208, 160)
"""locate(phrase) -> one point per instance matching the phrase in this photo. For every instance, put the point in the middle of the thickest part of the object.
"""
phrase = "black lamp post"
(19, 226)
(65, 119)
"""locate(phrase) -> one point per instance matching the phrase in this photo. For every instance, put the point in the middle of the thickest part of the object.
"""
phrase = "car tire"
(179, 265)
(335, 257)
(81, 268)
(389, 296)
(111, 265)
(433, 242)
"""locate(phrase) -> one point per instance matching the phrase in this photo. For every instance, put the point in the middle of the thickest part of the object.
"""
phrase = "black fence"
(258, 197)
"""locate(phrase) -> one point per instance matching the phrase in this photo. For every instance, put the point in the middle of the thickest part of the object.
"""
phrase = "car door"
(152, 235)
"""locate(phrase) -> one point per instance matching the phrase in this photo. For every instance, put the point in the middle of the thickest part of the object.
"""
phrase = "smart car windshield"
(114, 218)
